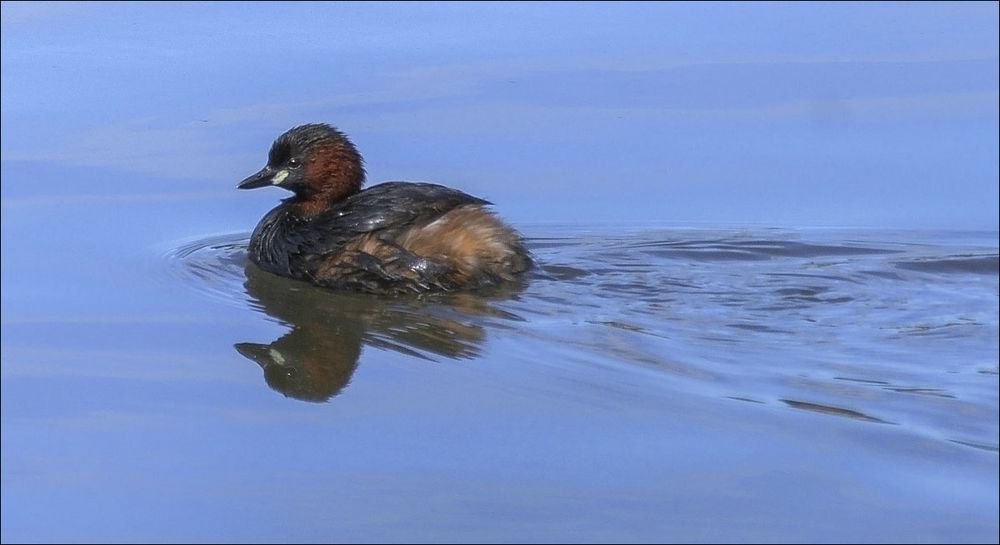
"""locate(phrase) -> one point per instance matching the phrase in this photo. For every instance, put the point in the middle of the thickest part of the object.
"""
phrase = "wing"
(371, 218)
(384, 211)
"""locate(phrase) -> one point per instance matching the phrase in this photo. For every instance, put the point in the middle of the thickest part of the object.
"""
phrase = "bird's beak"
(267, 176)
(254, 352)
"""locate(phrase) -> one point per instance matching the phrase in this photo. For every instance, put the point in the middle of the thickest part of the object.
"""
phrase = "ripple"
(989, 447)
(769, 318)
(213, 266)
(728, 249)
(976, 264)
(835, 411)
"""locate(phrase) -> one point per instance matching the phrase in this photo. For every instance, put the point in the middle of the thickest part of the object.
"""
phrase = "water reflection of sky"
(131, 411)
(808, 114)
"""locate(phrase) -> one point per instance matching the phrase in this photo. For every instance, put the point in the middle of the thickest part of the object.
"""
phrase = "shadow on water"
(315, 360)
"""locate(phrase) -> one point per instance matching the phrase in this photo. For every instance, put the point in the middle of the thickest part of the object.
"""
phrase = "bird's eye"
(294, 163)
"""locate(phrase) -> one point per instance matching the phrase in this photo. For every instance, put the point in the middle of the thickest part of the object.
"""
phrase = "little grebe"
(395, 237)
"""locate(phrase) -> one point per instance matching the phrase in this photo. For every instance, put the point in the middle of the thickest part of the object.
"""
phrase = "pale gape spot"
(279, 177)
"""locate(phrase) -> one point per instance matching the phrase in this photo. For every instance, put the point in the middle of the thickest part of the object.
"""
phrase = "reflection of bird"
(293, 366)
(394, 237)
(316, 358)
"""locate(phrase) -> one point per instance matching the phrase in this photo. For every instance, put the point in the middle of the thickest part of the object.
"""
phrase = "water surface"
(676, 369)
(644, 383)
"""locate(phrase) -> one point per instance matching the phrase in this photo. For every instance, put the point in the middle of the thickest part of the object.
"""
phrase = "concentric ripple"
(213, 266)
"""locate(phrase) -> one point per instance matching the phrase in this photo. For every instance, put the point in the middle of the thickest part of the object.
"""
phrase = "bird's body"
(395, 237)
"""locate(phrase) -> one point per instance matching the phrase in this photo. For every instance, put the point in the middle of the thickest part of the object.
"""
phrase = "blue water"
(644, 383)
(766, 307)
